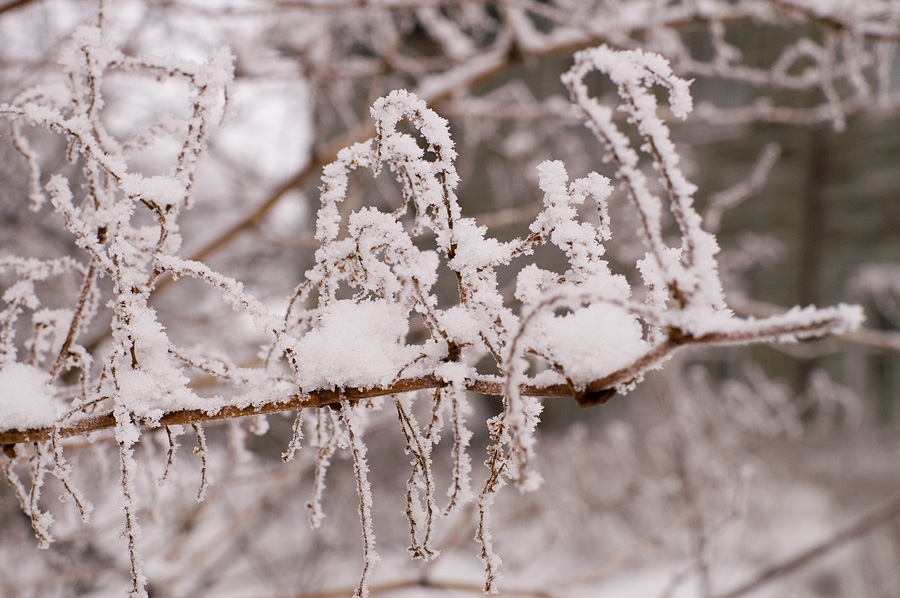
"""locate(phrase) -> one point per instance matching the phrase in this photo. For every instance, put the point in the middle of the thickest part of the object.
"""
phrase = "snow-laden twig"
(296, 437)
(172, 433)
(353, 422)
(422, 513)
(62, 471)
(460, 491)
(496, 463)
(28, 500)
(689, 273)
(127, 435)
(326, 442)
(202, 451)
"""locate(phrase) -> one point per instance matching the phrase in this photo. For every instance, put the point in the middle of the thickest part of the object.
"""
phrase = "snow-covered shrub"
(341, 345)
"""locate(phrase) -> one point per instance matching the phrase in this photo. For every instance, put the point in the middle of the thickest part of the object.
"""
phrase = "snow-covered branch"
(368, 318)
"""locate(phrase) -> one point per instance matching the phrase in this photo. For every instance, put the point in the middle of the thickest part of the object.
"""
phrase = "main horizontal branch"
(595, 393)
(318, 399)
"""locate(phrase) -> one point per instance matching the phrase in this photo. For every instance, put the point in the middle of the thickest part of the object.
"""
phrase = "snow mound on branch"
(591, 342)
(26, 401)
(355, 345)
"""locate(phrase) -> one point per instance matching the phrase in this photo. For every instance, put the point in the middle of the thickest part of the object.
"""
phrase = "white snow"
(590, 342)
(354, 345)
(27, 401)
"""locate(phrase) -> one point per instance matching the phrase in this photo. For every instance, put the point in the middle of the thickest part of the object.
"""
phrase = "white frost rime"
(370, 325)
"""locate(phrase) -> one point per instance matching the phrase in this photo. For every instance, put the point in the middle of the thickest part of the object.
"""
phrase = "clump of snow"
(354, 345)
(27, 401)
(460, 325)
(590, 342)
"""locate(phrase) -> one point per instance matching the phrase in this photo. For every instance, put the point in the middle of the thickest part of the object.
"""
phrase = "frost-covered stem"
(166, 220)
(40, 521)
(788, 327)
(430, 187)
(296, 437)
(419, 447)
(460, 491)
(520, 413)
(722, 201)
(772, 330)
(82, 360)
(326, 441)
(666, 159)
(77, 323)
(633, 71)
(203, 452)
(358, 450)
(634, 183)
(8, 319)
(172, 441)
(12, 455)
(20, 143)
(127, 434)
(697, 242)
(63, 472)
(496, 464)
(61, 198)
(436, 421)
(232, 290)
(384, 234)
(93, 74)
(38, 472)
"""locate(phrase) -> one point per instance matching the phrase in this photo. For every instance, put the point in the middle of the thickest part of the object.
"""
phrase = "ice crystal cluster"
(341, 347)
